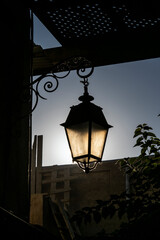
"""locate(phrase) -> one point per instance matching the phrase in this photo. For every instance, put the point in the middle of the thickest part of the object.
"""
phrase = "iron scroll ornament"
(83, 68)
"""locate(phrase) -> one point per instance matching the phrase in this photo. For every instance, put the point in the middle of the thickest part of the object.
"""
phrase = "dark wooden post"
(39, 164)
(15, 73)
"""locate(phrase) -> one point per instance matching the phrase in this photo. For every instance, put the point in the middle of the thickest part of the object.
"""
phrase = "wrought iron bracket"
(49, 86)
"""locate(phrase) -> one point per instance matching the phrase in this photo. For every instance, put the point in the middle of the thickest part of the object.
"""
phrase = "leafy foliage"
(143, 196)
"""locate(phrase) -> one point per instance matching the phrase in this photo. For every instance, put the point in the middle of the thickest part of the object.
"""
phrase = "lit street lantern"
(86, 129)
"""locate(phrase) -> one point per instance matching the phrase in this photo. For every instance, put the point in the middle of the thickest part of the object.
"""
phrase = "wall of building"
(76, 189)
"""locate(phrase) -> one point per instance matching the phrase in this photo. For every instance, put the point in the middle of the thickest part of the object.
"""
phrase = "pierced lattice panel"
(82, 20)
(133, 22)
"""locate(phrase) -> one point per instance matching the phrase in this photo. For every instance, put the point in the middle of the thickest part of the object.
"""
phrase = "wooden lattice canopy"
(105, 32)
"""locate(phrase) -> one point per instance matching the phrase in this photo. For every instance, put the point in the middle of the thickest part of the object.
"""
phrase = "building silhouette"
(72, 188)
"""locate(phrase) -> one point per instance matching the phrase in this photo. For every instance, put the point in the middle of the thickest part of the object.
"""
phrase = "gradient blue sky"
(129, 94)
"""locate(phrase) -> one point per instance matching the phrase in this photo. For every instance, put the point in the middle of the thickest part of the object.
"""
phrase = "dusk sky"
(129, 94)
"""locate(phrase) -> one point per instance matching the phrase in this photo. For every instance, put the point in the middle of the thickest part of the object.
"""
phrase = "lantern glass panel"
(98, 137)
(78, 139)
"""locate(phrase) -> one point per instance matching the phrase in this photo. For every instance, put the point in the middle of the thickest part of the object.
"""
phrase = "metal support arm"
(80, 63)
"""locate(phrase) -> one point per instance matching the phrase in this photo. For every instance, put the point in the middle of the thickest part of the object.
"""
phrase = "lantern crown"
(86, 111)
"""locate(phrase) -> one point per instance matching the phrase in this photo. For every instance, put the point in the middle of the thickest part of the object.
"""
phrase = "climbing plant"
(143, 196)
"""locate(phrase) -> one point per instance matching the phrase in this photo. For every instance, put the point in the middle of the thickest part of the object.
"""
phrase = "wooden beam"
(116, 49)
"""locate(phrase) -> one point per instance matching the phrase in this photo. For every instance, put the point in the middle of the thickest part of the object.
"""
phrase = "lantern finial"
(86, 97)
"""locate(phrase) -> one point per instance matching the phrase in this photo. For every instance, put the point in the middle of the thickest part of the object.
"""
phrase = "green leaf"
(100, 202)
(151, 134)
(112, 211)
(122, 209)
(147, 128)
(143, 151)
(79, 212)
(77, 218)
(132, 160)
(146, 170)
(137, 163)
(145, 135)
(86, 209)
(120, 213)
(154, 165)
(137, 132)
(104, 212)
(87, 218)
(123, 162)
(153, 149)
(96, 216)
(140, 126)
(144, 124)
(139, 142)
